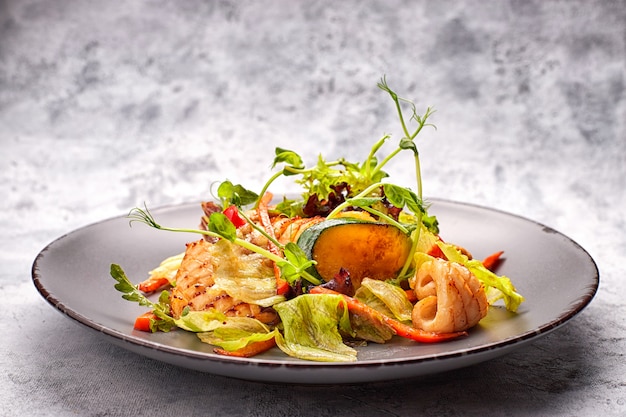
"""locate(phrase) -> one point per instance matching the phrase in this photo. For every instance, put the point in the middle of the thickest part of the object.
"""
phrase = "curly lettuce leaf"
(229, 333)
(232, 339)
(246, 277)
(387, 298)
(312, 326)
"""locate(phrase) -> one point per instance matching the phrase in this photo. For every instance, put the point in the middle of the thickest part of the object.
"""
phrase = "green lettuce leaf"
(389, 299)
(311, 328)
(209, 320)
(229, 333)
(249, 278)
(234, 338)
(253, 290)
(427, 240)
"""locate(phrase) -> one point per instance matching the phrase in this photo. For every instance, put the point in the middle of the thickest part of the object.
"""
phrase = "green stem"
(238, 241)
(399, 110)
(262, 231)
(384, 161)
(310, 278)
(418, 174)
(247, 245)
(370, 157)
(266, 186)
(388, 219)
(346, 203)
(415, 238)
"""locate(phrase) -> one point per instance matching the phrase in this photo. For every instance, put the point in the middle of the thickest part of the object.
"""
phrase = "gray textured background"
(105, 105)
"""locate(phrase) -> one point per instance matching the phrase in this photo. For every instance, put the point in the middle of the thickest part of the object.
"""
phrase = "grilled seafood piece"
(451, 298)
(205, 260)
(195, 281)
(289, 229)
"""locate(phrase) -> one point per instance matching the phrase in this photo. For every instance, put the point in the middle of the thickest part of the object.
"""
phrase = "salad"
(355, 259)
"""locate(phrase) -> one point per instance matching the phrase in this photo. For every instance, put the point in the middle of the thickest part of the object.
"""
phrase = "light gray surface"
(105, 105)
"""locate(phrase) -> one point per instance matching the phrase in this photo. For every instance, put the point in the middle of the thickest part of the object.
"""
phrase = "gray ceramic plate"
(557, 277)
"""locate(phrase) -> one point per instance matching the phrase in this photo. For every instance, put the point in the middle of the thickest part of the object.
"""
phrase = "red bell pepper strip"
(491, 261)
(410, 294)
(436, 252)
(357, 307)
(151, 285)
(142, 322)
(233, 215)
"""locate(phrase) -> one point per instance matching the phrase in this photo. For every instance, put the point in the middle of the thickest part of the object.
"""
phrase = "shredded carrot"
(357, 307)
(282, 286)
(249, 350)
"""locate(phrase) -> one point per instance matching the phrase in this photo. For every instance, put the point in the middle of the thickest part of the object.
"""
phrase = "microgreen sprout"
(407, 142)
(221, 227)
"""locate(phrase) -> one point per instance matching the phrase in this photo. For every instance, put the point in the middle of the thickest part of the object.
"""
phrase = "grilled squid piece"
(451, 299)
(196, 278)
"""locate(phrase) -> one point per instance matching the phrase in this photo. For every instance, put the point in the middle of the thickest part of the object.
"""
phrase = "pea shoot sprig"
(293, 266)
(366, 178)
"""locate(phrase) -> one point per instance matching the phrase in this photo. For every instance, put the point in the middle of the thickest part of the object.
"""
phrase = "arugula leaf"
(131, 293)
